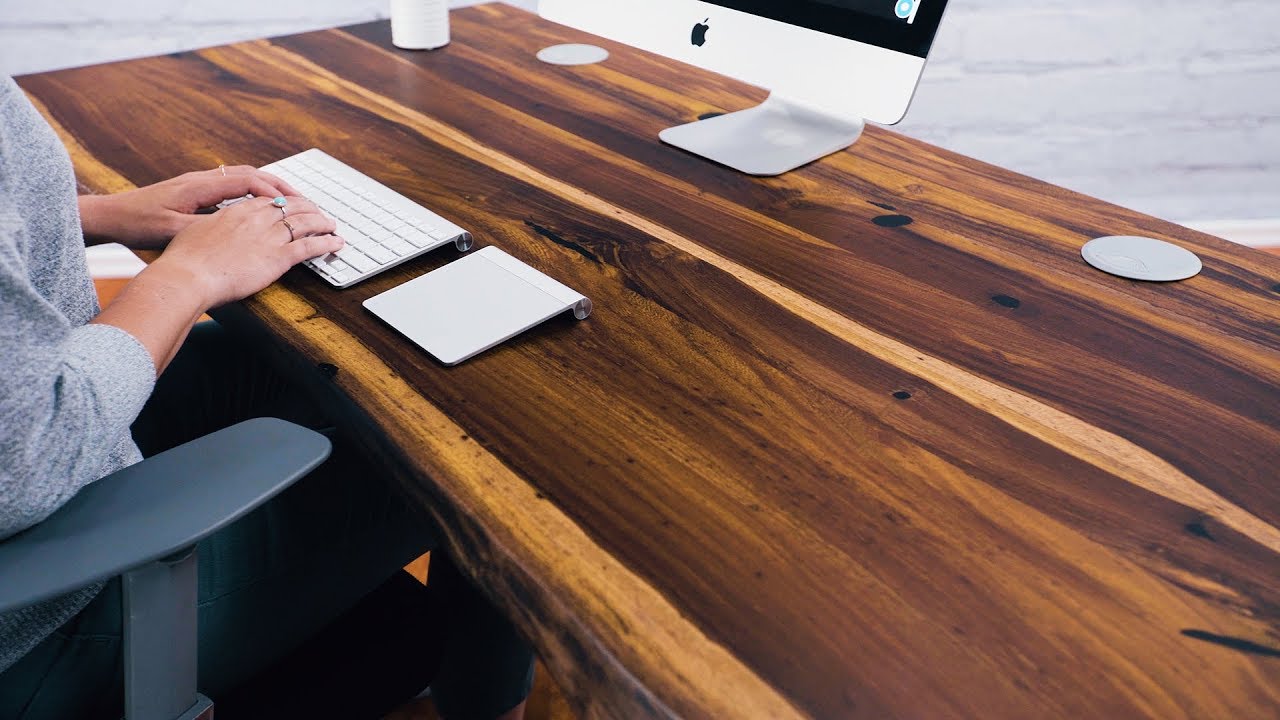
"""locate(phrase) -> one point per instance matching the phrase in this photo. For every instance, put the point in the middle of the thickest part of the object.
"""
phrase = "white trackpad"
(472, 304)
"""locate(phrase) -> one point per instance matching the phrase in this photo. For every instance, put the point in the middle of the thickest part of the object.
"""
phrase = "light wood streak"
(588, 576)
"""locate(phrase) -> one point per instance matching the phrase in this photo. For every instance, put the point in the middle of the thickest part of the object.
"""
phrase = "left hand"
(149, 217)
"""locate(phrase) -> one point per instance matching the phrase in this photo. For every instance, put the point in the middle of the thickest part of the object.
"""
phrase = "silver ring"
(223, 168)
(289, 227)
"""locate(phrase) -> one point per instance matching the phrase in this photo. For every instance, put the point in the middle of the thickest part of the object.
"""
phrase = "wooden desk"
(867, 440)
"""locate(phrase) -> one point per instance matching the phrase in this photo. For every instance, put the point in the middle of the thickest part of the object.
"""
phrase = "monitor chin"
(770, 139)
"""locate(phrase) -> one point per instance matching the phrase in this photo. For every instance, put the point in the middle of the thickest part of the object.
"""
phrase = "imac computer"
(829, 65)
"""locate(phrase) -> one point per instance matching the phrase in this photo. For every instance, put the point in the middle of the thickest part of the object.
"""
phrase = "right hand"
(238, 251)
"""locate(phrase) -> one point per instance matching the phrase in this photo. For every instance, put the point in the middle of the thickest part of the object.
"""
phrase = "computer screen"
(907, 26)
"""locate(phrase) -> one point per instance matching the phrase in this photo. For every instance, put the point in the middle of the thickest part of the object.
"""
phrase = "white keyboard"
(382, 227)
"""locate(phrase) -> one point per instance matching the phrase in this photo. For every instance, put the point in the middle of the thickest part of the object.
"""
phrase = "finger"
(317, 223)
(313, 246)
(281, 188)
(251, 209)
(223, 171)
(296, 207)
(236, 170)
(263, 210)
(300, 205)
(278, 183)
(306, 225)
(212, 190)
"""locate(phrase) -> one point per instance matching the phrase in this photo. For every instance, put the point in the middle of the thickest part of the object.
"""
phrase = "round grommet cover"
(1140, 258)
(573, 54)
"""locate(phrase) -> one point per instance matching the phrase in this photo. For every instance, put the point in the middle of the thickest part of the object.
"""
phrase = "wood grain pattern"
(867, 440)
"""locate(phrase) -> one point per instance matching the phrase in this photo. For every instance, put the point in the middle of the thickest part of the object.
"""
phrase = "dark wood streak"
(892, 221)
(1244, 646)
(855, 530)
(561, 241)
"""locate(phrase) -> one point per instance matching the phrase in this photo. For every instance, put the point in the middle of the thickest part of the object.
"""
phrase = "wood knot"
(1199, 530)
(893, 221)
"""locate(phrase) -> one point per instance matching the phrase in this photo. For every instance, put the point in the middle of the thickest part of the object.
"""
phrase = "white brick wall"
(1168, 106)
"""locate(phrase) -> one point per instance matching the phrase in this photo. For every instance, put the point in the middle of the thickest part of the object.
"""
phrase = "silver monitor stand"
(770, 139)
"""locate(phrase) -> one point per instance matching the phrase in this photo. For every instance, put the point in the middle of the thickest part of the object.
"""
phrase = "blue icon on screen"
(906, 9)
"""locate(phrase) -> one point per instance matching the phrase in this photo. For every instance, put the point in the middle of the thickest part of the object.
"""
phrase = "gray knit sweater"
(68, 390)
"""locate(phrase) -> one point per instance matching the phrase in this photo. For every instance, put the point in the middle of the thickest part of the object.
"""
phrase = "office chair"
(143, 522)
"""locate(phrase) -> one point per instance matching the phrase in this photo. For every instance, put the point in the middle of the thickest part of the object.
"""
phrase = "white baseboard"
(1254, 233)
(112, 261)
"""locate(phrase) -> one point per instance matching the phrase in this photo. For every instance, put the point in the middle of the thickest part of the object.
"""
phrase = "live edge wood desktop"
(866, 440)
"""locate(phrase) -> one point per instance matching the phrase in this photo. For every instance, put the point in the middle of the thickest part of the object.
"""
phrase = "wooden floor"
(547, 701)
(109, 288)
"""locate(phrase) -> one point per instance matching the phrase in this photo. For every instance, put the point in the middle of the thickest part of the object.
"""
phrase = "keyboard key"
(333, 264)
(442, 234)
(319, 196)
(380, 254)
(359, 241)
(357, 259)
(416, 238)
(401, 247)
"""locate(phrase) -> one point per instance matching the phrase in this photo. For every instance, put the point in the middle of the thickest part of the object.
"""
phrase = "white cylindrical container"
(420, 24)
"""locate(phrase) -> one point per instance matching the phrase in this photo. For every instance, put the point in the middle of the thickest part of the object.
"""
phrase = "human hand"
(147, 218)
(238, 251)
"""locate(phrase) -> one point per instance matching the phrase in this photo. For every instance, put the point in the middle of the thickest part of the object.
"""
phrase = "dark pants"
(278, 575)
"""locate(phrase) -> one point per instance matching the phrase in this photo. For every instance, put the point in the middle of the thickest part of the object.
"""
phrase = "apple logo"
(700, 33)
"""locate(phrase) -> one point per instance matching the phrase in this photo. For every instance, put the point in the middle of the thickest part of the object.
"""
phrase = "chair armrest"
(156, 508)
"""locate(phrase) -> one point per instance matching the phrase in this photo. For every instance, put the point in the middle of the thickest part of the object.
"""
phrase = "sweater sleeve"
(69, 395)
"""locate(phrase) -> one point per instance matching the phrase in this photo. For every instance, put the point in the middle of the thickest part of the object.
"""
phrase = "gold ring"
(223, 168)
(289, 227)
